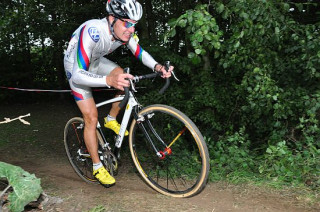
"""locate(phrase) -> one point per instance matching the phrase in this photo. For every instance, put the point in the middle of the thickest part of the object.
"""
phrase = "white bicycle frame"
(125, 120)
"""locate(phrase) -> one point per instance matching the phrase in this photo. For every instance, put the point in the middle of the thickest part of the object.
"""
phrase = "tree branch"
(20, 118)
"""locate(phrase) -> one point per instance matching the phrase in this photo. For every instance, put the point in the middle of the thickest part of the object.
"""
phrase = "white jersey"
(91, 41)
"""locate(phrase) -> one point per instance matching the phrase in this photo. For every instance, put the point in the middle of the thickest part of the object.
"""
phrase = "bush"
(255, 88)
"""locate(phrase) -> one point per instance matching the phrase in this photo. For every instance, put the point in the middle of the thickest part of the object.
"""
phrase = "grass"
(305, 196)
(16, 132)
(99, 208)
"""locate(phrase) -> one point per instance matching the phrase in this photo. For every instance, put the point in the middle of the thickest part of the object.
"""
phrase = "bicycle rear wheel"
(76, 150)
(181, 167)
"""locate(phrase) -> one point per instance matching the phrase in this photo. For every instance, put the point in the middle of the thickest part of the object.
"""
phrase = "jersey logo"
(94, 34)
(69, 75)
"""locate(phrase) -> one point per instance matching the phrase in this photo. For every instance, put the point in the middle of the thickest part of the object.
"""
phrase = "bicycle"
(166, 147)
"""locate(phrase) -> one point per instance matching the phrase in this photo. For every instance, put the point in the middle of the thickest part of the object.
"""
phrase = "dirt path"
(131, 194)
(39, 149)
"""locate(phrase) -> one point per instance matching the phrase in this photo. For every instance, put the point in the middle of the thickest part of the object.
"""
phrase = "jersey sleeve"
(88, 37)
(141, 54)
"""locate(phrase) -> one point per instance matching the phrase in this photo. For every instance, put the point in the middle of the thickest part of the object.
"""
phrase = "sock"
(97, 166)
(110, 118)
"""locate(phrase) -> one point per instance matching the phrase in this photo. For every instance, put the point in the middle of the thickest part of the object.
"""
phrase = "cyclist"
(86, 67)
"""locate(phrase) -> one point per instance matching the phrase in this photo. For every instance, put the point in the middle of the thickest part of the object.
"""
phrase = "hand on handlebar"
(118, 79)
(165, 73)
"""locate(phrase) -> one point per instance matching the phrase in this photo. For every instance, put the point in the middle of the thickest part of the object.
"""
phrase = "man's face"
(124, 28)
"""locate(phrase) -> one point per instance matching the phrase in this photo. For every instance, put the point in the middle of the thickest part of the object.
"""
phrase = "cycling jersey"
(88, 44)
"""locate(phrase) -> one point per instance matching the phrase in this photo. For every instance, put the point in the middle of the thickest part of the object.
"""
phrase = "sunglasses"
(128, 24)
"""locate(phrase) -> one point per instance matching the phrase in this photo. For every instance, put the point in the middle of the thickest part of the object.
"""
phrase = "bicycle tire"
(184, 172)
(74, 142)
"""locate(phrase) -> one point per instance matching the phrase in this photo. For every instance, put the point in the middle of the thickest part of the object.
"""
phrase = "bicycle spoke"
(172, 179)
(182, 178)
(179, 170)
(172, 170)
(75, 146)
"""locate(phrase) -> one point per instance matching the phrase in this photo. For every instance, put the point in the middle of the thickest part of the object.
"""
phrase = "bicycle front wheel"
(169, 151)
(76, 150)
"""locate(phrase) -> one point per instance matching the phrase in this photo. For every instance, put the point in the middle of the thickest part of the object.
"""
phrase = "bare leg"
(114, 111)
(90, 116)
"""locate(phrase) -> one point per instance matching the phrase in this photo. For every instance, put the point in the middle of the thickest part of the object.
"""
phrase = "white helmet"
(126, 9)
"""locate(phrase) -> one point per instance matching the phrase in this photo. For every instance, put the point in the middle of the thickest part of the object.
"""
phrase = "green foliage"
(26, 187)
(33, 37)
(202, 30)
(230, 154)
(99, 208)
(261, 88)
(249, 72)
(292, 166)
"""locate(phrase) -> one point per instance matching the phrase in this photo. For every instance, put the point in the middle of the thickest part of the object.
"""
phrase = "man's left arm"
(140, 53)
(146, 58)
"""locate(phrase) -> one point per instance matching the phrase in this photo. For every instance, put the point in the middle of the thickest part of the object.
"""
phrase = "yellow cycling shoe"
(113, 125)
(103, 176)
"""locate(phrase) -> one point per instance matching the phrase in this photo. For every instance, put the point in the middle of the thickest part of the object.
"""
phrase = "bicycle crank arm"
(83, 154)
(88, 155)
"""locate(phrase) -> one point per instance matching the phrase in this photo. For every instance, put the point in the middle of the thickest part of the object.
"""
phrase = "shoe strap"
(99, 173)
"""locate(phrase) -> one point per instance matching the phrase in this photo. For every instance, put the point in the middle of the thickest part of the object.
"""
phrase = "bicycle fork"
(146, 119)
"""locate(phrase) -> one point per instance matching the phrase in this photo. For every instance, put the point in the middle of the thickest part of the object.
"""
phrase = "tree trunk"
(143, 24)
(150, 19)
(57, 59)
(206, 62)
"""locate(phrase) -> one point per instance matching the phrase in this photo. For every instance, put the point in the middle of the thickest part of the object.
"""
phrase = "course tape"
(41, 90)
(34, 90)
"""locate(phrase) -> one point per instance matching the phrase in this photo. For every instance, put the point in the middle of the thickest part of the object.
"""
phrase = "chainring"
(110, 161)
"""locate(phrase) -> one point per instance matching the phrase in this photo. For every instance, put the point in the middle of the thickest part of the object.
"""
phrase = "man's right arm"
(83, 77)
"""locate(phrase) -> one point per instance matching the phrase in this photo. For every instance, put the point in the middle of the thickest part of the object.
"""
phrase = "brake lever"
(127, 70)
(167, 65)
(132, 86)
(174, 76)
